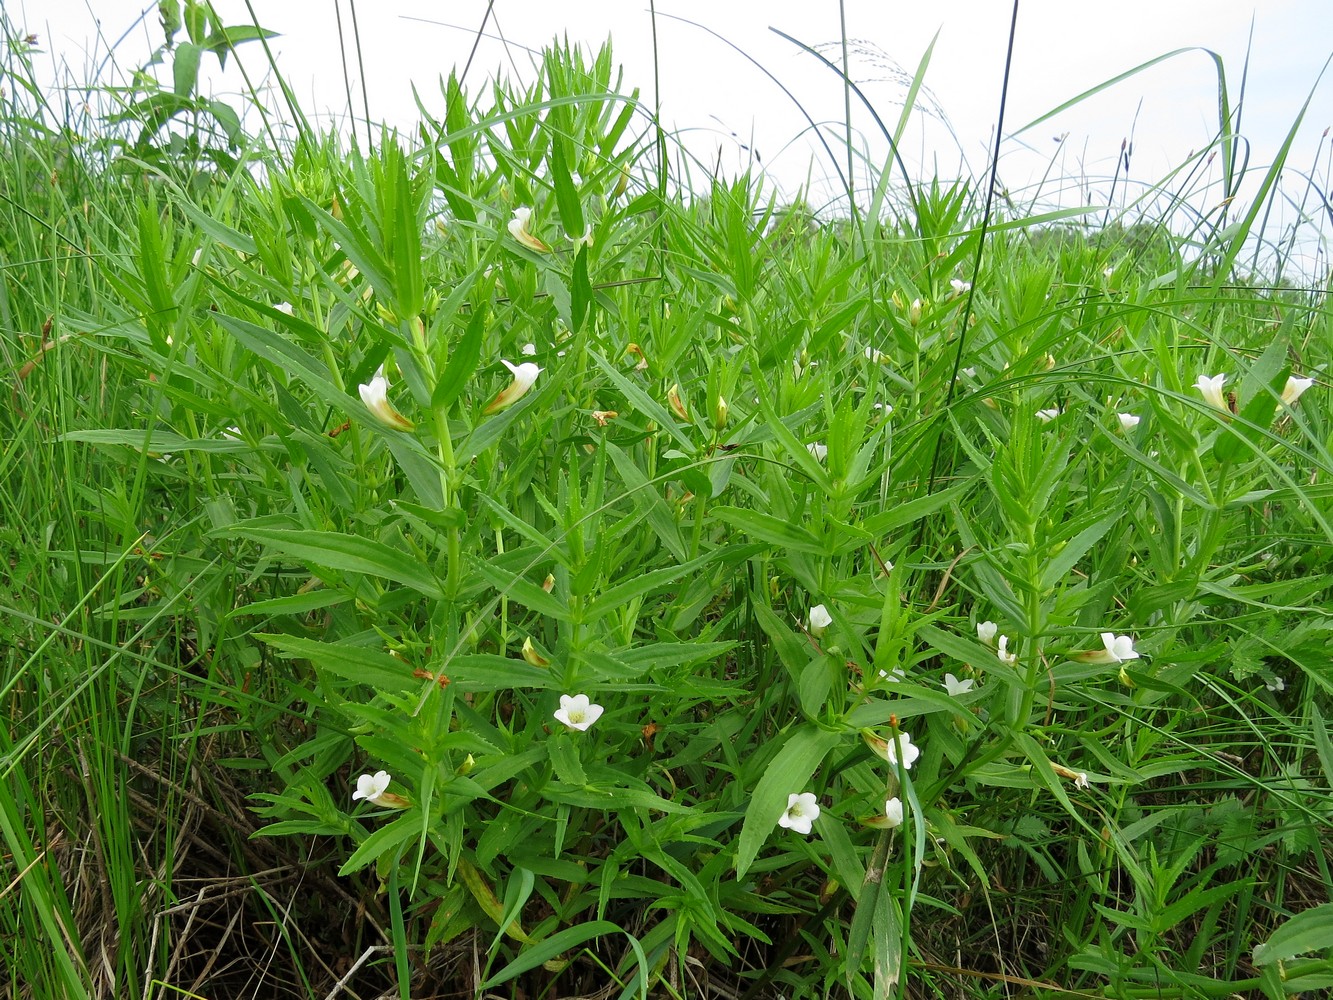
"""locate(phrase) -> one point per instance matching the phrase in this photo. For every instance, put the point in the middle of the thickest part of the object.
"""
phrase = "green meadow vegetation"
(508, 560)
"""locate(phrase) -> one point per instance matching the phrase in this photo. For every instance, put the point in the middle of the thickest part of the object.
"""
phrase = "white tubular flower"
(893, 812)
(577, 712)
(959, 286)
(1294, 387)
(1046, 416)
(820, 619)
(524, 375)
(375, 394)
(1128, 421)
(581, 241)
(986, 632)
(819, 451)
(372, 787)
(518, 228)
(955, 687)
(801, 812)
(893, 748)
(1002, 652)
(1211, 389)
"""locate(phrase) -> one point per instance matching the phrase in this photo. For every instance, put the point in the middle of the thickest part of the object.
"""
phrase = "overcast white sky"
(1063, 47)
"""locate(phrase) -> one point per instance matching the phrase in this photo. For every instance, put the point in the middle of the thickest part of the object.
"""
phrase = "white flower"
(1276, 684)
(581, 241)
(1046, 416)
(283, 307)
(1107, 272)
(820, 619)
(876, 357)
(894, 676)
(1211, 388)
(970, 372)
(1294, 387)
(1128, 421)
(1003, 654)
(578, 713)
(886, 407)
(524, 375)
(801, 812)
(528, 350)
(819, 451)
(518, 228)
(371, 787)
(893, 812)
(375, 394)
(232, 433)
(1081, 779)
(959, 286)
(955, 687)
(914, 312)
(890, 749)
(1119, 647)
(986, 632)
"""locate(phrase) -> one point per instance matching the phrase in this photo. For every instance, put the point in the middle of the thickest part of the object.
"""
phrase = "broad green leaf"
(362, 664)
(347, 554)
(804, 750)
(776, 531)
(1309, 930)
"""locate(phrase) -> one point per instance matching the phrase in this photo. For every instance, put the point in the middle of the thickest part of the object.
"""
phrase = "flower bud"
(531, 655)
(720, 410)
(677, 407)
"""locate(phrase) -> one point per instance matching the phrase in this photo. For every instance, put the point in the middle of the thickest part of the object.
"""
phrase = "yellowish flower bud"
(720, 410)
(677, 407)
(531, 655)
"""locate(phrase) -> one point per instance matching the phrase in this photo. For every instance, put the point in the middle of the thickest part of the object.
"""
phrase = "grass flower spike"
(577, 712)
(1211, 388)
(524, 376)
(801, 812)
(1294, 387)
(518, 228)
(375, 394)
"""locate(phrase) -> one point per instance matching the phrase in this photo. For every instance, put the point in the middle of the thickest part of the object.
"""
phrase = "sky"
(717, 61)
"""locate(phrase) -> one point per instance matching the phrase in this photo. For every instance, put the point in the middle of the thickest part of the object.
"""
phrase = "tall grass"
(790, 500)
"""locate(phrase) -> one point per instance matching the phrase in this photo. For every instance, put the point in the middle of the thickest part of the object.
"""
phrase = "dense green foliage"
(775, 478)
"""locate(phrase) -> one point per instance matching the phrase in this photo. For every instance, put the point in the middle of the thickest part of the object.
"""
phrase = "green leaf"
(185, 68)
(566, 194)
(462, 364)
(562, 941)
(347, 554)
(645, 583)
(382, 841)
(1309, 930)
(774, 530)
(490, 672)
(362, 664)
(804, 750)
(1076, 548)
(565, 759)
(580, 291)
